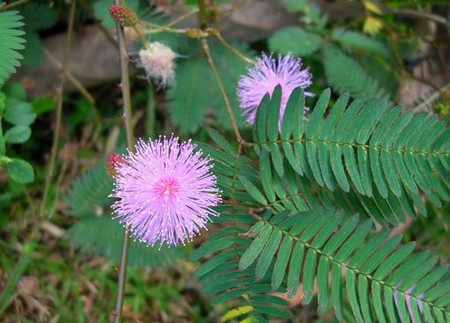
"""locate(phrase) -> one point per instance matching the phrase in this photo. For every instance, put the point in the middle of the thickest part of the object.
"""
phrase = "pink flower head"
(265, 76)
(165, 191)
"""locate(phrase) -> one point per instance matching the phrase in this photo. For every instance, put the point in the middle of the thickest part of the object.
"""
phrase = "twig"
(60, 99)
(222, 90)
(163, 28)
(419, 14)
(13, 4)
(89, 10)
(234, 50)
(128, 119)
(84, 92)
(182, 17)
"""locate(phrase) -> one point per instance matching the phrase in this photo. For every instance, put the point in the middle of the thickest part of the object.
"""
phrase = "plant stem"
(181, 18)
(79, 86)
(128, 120)
(203, 15)
(222, 90)
(13, 4)
(58, 111)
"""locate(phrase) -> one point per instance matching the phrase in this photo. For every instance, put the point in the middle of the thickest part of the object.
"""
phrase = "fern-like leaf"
(366, 147)
(344, 74)
(352, 40)
(88, 195)
(10, 42)
(38, 16)
(104, 236)
(373, 272)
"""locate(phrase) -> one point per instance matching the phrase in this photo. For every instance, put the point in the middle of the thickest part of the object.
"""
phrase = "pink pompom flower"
(166, 191)
(265, 76)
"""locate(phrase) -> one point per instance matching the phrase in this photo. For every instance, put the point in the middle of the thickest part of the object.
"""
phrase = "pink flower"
(265, 76)
(165, 191)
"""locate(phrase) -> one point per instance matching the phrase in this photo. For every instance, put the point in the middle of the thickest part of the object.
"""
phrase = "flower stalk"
(127, 117)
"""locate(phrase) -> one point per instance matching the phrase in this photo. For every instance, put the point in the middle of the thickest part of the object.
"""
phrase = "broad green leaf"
(20, 114)
(17, 134)
(19, 170)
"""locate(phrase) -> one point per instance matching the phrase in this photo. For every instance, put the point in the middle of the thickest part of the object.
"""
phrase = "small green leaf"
(253, 191)
(281, 262)
(20, 170)
(20, 114)
(17, 134)
(255, 248)
(267, 255)
(43, 105)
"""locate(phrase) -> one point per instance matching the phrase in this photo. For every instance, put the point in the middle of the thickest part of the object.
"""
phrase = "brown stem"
(84, 92)
(128, 119)
(13, 4)
(222, 89)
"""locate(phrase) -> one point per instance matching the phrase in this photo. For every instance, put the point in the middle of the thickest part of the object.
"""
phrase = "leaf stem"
(58, 112)
(128, 120)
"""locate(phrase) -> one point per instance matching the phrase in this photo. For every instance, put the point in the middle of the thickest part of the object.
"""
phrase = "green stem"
(203, 15)
(128, 120)
(58, 111)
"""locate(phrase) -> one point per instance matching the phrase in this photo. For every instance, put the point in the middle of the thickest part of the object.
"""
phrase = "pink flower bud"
(123, 15)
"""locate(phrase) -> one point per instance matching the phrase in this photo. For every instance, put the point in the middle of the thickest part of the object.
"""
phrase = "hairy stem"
(58, 111)
(128, 120)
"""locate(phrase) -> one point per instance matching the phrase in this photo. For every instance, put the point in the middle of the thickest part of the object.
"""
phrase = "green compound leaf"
(296, 41)
(33, 54)
(104, 236)
(353, 40)
(352, 270)
(189, 103)
(38, 16)
(19, 170)
(362, 154)
(344, 74)
(10, 42)
(88, 195)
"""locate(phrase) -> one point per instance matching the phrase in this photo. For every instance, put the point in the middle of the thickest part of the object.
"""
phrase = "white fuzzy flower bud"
(158, 61)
